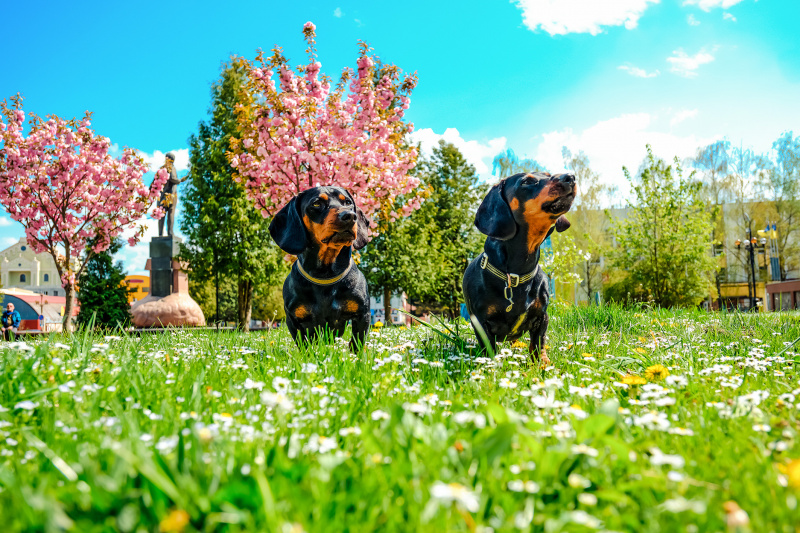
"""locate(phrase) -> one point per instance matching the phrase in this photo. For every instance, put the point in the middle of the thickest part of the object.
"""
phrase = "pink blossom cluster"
(62, 185)
(304, 134)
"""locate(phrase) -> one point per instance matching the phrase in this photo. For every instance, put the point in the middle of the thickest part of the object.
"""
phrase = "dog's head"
(531, 202)
(323, 218)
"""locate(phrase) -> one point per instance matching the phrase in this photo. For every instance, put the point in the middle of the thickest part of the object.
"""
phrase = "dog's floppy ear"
(287, 229)
(562, 224)
(362, 234)
(494, 217)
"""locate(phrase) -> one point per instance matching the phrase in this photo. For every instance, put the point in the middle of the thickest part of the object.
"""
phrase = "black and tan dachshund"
(325, 289)
(504, 288)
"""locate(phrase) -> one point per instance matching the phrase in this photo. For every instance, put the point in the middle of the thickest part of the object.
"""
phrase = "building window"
(22, 278)
(145, 289)
(23, 248)
(47, 277)
(55, 293)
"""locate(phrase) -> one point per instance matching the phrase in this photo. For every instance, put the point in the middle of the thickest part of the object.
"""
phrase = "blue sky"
(531, 75)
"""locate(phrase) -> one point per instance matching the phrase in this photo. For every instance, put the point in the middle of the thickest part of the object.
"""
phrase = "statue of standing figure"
(169, 196)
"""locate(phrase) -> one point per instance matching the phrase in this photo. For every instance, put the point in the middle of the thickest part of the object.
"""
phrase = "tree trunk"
(66, 324)
(245, 303)
(387, 307)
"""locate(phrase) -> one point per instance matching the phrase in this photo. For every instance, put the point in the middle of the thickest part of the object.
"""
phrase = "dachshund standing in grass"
(325, 289)
(504, 288)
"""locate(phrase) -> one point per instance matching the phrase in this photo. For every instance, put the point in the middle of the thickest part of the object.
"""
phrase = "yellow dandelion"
(519, 344)
(586, 355)
(634, 380)
(656, 372)
(640, 350)
(175, 522)
(792, 470)
(377, 324)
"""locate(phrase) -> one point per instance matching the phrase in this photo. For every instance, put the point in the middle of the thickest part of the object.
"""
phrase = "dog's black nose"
(567, 178)
(347, 216)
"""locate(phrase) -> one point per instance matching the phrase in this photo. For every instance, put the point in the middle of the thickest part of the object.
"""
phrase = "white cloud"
(692, 20)
(476, 153)
(682, 115)
(5, 242)
(686, 65)
(638, 72)
(728, 16)
(559, 17)
(156, 159)
(5, 222)
(337, 12)
(622, 140)
(708, 5)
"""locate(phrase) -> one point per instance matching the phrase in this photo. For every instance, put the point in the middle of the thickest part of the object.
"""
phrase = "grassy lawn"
(646, 421)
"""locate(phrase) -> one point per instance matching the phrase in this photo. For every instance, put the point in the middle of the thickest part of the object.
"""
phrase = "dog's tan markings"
(491, 310)
(539, 222)
(350, 306)
(301, 312)
(322, 233)
(514, 204)
(341, 197)
(323, 196)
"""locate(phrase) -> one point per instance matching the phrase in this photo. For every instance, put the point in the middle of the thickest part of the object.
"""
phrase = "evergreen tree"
(225, 233)
(450, 213)
(426, 254)
(103, 290)
(664, 245)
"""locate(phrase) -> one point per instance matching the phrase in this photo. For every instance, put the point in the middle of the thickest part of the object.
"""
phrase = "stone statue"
(169, 196)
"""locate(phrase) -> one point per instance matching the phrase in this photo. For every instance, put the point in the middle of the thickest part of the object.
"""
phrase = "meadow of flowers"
(646, 421)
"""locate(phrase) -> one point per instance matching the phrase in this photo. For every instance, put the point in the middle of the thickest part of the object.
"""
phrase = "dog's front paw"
(544, 361)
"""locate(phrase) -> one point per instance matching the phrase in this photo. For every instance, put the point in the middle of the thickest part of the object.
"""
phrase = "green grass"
(207, 431)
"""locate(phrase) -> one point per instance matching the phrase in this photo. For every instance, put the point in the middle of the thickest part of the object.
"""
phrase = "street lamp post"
(750, 245)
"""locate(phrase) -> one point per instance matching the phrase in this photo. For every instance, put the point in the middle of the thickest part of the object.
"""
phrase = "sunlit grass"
(647, 420)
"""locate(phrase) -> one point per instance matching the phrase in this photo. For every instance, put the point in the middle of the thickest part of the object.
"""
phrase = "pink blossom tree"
(298, 133)
(62, 185)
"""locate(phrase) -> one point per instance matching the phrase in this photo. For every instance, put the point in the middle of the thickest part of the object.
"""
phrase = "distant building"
(31, 306)
(139, 287)
(21, 268)
(398, 301)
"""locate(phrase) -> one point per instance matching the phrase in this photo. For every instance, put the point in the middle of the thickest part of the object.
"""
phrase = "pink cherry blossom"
(305, 134)
(62, 185)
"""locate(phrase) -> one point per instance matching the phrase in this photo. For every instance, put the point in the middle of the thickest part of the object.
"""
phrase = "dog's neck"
(315, 267)
(512, 255)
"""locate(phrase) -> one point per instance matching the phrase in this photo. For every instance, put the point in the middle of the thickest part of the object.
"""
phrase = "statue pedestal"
(169, 303)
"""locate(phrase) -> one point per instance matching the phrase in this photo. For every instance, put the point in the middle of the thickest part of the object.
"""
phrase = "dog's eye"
(317, 204)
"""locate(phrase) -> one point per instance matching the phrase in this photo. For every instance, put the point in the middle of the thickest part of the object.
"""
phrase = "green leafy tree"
(664, 243)
(224, 232)
(103, 290)
(402, 258)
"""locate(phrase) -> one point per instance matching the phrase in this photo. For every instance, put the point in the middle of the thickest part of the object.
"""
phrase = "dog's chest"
(313, 306)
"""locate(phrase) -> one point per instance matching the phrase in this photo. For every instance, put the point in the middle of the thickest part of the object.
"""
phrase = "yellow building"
(140, 287)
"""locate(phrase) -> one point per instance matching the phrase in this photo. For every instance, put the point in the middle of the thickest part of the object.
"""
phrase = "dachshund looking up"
(325, 289)
(505, 290)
